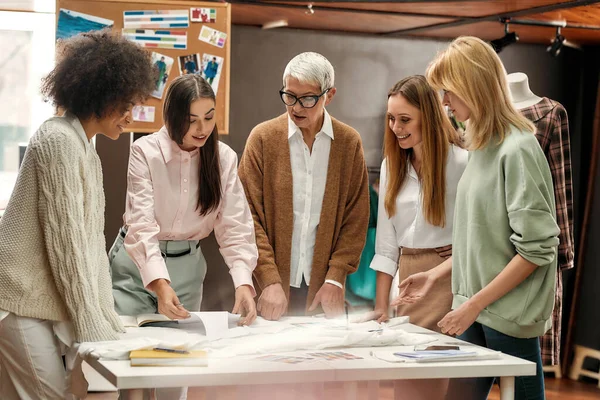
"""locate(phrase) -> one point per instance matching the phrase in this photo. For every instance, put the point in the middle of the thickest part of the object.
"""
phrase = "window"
(26, 56)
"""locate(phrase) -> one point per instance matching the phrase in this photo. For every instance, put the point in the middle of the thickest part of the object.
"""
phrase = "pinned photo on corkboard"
(70, 23)
(190, 64)
(143, 113)
(163, 64)
(157, 39)
(211, 70)
(155, 19)
(204, 15)
(213, 36)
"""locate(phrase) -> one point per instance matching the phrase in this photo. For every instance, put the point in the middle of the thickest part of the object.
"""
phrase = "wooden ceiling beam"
(349, 10)
(495, 17)
(361, 1)
(534, 22)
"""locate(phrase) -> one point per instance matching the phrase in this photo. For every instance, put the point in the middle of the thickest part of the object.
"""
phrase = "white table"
(246, 370)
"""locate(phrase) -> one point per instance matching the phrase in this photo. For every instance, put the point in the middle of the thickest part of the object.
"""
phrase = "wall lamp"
(557, 44)
(554, 48)
(508, 38)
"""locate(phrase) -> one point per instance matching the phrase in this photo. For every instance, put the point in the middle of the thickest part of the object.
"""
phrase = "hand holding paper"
(245, 305)
(378, 315)
(168, 302)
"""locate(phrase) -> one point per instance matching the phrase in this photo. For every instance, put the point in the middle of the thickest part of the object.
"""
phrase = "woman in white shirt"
(419, 176)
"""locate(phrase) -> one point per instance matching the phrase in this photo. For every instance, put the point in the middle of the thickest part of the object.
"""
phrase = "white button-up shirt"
(309, 175)
(408, 227)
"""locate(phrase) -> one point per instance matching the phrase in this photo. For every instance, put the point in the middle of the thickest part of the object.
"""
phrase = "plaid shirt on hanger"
(550, 119)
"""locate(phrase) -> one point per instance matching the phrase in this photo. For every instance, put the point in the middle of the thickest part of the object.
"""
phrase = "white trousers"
(157, 394)
(31, 365)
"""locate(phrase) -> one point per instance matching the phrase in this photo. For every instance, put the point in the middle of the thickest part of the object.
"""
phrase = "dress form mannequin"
(552, 131)
(522, 96)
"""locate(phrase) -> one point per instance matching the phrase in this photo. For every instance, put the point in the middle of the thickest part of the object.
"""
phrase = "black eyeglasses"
(305, 101)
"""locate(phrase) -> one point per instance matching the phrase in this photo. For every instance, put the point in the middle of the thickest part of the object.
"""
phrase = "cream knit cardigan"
(53, 262)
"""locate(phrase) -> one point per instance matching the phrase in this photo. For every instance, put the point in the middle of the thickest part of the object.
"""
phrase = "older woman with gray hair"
(306, 181)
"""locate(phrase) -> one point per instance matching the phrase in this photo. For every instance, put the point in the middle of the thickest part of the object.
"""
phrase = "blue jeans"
(526, 387)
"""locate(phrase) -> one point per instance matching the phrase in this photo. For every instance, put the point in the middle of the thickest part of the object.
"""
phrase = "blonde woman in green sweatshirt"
(505, 234)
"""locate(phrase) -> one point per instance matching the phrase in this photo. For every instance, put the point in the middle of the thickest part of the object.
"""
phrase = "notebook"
(155, 358)
(213, 324)
(447, 355)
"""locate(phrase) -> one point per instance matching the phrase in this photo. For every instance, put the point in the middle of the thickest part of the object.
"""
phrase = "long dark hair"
(182, 92)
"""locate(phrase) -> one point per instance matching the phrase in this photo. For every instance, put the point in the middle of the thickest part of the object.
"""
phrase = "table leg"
(305, 391)
(273, 391)
(373, 390)
(507, 388)
(351, 390)
(318, 390)
(211, 393)
(135, 394)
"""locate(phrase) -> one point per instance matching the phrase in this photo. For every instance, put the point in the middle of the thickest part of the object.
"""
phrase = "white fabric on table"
(263, 336)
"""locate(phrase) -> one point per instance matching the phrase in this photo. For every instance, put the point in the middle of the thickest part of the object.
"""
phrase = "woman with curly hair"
(54, 272)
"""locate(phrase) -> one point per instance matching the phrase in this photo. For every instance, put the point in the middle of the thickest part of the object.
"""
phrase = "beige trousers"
(430, 310)
(31, 365)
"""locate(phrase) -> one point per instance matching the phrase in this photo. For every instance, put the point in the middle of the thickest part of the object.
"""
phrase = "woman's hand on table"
(272, 302)
(378, 315)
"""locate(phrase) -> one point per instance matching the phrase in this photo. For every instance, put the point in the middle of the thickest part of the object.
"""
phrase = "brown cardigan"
(266, 173)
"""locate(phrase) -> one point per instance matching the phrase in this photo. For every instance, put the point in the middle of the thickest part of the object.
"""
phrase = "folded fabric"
(141, 339)
(318, 337)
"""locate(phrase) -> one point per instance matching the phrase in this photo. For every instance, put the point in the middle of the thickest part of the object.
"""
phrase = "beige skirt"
(430, 310)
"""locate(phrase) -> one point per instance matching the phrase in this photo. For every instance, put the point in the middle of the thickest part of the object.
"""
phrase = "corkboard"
(113, 10)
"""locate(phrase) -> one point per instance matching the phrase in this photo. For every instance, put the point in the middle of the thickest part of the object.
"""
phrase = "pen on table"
(171, 350)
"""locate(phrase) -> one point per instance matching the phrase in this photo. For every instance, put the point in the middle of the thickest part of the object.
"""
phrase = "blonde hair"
(471, 69)
(437, 132)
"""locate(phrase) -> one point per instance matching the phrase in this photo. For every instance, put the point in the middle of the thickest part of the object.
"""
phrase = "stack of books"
(168, 358)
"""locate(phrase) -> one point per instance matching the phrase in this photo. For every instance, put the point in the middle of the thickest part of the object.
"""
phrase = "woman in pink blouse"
(182, 184)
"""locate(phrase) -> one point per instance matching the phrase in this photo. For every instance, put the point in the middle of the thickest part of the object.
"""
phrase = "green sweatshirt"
(505, 206)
